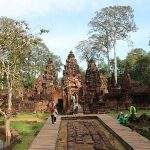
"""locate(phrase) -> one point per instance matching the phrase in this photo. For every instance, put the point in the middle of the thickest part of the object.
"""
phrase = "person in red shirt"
(52, 108)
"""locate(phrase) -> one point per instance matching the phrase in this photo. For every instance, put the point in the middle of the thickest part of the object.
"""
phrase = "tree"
(104, 68)
(141, 71)
(36, 62)
(15, 47)
(102, 41)
(121, 66)
(88, 50)
(132, 58)
(118, 21)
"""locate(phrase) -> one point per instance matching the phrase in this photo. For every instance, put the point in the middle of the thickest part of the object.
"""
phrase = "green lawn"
(1, 120)
(28, 125)
(28, 131)
(33, 117)
(114, 113)
(140, 128)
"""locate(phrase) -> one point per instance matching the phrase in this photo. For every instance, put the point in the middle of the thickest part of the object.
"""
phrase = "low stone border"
(131, 139)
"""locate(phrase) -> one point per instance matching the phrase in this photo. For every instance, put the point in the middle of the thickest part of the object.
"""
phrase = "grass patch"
(33, 117)
(28, 125)
(114, 113)
(141, 127)
(1, 120)
(28, 131)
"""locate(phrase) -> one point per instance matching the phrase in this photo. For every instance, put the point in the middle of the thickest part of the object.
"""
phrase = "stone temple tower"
(72, 81)
(95, 86)
(47, 81)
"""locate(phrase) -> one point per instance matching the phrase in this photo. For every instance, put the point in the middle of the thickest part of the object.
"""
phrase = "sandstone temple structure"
(95, 86)
(47, 82)
(92, 90)
(72, 81)
(46, 87)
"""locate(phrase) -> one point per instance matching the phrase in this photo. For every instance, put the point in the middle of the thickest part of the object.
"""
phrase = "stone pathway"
(135, 140)
(46, 139)
(86, 134)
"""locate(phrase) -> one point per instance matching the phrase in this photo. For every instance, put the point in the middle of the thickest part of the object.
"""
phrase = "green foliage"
(137, 64)
(2, 81)
(36, 63)
(121, 66)
(142, 70)
(104, 68)
(28, 131)
(107, 26)
(114, 113)
(110, 24)
(44, 31)
(87, 50)
(14, 47)
(117, 20)
(1, 120)
(133, 56)
(22, 54)
(28, 125)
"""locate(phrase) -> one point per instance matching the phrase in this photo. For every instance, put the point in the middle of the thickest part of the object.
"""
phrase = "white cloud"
(17, 8)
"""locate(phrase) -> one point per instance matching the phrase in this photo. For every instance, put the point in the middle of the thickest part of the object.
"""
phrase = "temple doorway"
(60, 106)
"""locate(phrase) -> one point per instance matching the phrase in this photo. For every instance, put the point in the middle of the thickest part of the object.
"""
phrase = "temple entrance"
(60, 106)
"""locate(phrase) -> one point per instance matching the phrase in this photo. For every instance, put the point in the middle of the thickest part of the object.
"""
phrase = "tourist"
(53, 111)
(75, 108)
(74, 104)
(132, 111)
(125, 120)
(120, 118)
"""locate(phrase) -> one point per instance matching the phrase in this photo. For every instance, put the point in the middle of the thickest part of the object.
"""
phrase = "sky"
(67, 21)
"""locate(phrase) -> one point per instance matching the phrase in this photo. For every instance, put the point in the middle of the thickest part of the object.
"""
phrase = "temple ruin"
(72, 81)
(95, 88)
(94, 92)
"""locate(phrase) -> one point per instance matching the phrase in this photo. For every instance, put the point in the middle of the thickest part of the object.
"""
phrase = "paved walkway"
(135, 140)
(46, 139)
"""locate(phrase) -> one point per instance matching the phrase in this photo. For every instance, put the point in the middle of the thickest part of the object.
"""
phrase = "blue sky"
(67, 21)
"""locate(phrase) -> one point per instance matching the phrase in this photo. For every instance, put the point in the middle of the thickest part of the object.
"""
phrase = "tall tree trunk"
(108, 61)
(115, 62)
(107, 53)
(7, 128)
(9, 109)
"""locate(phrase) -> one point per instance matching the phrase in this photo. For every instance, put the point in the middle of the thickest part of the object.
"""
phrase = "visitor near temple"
(74, 104)
(53, 111)
(120, 117)
(132, 111)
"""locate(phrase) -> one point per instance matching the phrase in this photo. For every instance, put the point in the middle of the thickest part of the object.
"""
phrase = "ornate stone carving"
(46, 83)
(72, 80)
(95, 87)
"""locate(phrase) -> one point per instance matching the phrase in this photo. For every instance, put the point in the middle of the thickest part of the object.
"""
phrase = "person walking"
(52, 108)
(75, 105)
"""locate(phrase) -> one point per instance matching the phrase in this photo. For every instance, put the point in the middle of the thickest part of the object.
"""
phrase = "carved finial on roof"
(71, 55)
(50, 61)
